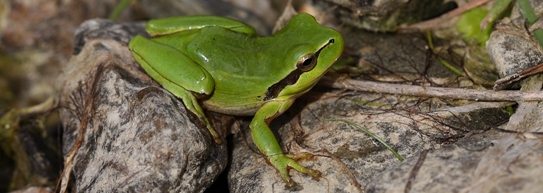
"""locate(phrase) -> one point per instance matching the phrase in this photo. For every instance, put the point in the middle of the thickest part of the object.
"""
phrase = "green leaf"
(496, 11)
(468, 25)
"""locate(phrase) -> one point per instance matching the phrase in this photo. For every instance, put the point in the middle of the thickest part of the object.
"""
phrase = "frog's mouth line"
(293, 77)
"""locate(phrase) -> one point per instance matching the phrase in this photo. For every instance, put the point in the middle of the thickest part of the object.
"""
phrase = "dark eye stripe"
(276, 88)
(292, 78)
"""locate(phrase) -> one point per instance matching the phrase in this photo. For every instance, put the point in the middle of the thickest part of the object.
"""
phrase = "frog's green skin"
(226, 67)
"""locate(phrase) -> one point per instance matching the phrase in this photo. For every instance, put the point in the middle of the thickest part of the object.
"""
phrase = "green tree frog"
(222, 65)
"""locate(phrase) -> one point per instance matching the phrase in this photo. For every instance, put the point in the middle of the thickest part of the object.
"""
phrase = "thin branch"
(439, 92)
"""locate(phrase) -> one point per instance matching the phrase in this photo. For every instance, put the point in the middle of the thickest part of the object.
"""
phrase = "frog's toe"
(315, 174)
(282, 162)
(289, 183)
(214, 134)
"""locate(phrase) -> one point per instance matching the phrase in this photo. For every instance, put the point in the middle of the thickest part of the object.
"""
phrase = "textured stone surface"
(388, 15)
(137, 137)
(351, 161)
(513, 49)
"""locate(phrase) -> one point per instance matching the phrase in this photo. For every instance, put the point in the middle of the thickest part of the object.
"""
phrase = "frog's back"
(243, 69)
(221, 50)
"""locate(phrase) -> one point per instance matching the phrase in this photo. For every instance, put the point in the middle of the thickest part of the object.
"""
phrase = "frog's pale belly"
(236, 111)
(235, 98)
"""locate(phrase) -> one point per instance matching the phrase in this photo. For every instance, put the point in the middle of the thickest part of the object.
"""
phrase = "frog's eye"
(307, 62)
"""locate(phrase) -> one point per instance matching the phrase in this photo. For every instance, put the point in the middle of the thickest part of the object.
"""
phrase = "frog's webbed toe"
(283, 162)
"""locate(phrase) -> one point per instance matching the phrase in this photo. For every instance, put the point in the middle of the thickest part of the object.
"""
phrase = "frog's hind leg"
(177, 73)
(191, 103)
(266, 142)
(176, 24)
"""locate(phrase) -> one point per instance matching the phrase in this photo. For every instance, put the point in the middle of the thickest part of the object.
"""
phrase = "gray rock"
(388, 15)
(513, 49)
(137, 137)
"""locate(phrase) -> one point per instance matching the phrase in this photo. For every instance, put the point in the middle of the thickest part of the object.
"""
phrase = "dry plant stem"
(48, 105)
(506, 81)
(439, 92)
(88, 108)
(443, 19)
(415, 171)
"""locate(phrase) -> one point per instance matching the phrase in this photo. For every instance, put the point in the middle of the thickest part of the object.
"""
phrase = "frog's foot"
(191, 103)
(214, 134)
(283, 162)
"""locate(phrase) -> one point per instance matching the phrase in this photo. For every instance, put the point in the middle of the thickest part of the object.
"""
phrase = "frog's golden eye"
(307, 62)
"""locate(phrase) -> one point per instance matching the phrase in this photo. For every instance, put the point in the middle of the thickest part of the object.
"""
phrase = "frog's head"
(314, 48)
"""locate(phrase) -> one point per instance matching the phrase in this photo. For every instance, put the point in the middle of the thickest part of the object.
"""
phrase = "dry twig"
(439, 92)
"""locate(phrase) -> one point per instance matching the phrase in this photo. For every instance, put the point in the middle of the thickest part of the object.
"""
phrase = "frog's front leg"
(177, 73)
(265, 140)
